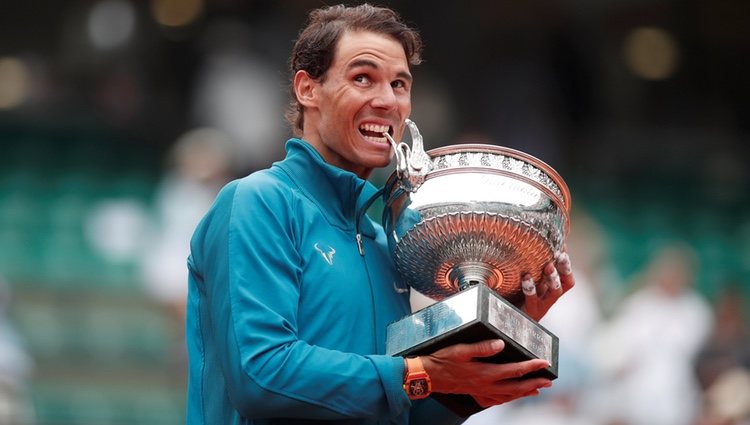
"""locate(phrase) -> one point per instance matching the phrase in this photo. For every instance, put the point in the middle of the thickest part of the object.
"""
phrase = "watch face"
(418, 387)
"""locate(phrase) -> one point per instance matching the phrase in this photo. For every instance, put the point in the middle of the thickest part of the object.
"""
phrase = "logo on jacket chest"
(326, 251)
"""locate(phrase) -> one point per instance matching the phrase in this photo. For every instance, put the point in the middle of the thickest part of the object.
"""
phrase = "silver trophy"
(464, 224)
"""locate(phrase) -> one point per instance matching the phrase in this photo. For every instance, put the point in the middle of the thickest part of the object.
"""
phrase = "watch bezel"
(418, 387)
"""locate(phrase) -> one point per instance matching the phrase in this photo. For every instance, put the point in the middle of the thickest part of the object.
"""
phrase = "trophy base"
(474, 315)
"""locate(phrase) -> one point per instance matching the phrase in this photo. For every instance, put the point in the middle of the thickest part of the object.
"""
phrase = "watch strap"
(417, 383)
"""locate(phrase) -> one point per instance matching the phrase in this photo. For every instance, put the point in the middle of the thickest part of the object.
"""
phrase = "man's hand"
(558, 279)
(456, 370)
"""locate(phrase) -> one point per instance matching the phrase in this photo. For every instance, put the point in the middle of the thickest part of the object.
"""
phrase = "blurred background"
(120, 119)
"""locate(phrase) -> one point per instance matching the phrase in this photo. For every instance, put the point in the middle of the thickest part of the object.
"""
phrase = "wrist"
(417, 383)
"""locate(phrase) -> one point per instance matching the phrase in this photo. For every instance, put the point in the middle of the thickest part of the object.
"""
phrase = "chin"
(380, 162)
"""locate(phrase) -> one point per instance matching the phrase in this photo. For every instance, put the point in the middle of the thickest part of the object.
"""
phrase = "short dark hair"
(313, 51)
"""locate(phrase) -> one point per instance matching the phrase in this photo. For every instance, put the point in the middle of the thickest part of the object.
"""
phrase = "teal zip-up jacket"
(286, 318)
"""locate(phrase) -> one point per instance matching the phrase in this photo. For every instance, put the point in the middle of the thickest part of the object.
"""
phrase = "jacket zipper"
(361, 249)
(360, 214)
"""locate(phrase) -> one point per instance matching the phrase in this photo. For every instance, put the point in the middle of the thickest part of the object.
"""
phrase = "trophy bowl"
(464, 223)
(481, 214)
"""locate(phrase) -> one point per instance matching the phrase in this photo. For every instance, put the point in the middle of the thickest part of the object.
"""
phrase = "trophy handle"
(412, 164)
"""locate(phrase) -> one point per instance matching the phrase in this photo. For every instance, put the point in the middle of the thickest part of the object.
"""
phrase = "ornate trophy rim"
(564, 191)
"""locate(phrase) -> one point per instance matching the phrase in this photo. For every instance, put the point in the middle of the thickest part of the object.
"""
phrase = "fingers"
(520, 369)
(528, 287)
(489, 401)
(468, 352)
(513, 389)
(539, 297)
(557, 278)
(562, 262)
(520, 387)
(510, 390)
(552, 279)
(551, 284)
(565, 269)
(456, 369)
(486, 348)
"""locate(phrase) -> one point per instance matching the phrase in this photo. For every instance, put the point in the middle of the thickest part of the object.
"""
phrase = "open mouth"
(374, 132)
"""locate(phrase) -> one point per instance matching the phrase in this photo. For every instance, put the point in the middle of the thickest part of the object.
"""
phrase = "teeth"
(374, 128)
(376, 139)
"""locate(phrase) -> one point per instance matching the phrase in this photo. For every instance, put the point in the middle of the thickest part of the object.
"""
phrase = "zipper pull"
(359, 245)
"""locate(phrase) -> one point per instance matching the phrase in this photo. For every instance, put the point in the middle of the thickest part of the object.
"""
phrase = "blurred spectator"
(198, 167)
(238, 91)
(645, 354)
(723, 366)
(15, 369)
(727, 400)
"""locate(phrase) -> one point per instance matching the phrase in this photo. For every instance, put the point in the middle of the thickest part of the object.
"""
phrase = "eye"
(398, 84)
(362, 79)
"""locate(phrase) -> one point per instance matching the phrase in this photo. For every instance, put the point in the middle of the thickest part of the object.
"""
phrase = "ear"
(305, 88)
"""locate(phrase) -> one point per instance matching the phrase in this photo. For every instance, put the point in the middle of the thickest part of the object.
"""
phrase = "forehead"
(354, 45)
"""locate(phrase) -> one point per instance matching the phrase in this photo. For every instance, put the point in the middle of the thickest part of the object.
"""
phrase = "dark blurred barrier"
(642, 214)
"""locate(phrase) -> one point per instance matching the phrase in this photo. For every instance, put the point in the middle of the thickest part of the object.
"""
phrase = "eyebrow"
(370, 64)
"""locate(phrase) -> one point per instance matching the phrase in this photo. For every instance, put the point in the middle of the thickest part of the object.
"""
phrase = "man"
(286, 316)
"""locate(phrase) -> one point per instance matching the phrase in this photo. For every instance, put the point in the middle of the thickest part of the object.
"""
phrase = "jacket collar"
(340, 194)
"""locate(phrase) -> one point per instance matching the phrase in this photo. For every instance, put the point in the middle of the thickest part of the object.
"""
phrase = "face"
(365, 92)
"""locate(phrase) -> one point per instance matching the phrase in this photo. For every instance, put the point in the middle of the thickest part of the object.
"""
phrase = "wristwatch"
(417, 382)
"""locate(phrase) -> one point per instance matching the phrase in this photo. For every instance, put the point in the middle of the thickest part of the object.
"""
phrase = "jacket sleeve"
(250, 268)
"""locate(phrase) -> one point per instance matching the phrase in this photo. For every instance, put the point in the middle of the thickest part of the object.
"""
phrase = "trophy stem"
(471, 273)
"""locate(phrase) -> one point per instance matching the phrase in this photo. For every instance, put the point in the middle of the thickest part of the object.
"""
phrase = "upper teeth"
(375, 128)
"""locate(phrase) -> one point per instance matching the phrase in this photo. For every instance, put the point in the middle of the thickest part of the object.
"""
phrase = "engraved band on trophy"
(464, 223)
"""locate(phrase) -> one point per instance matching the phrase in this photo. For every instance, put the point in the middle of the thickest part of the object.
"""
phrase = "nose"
(385, 98)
